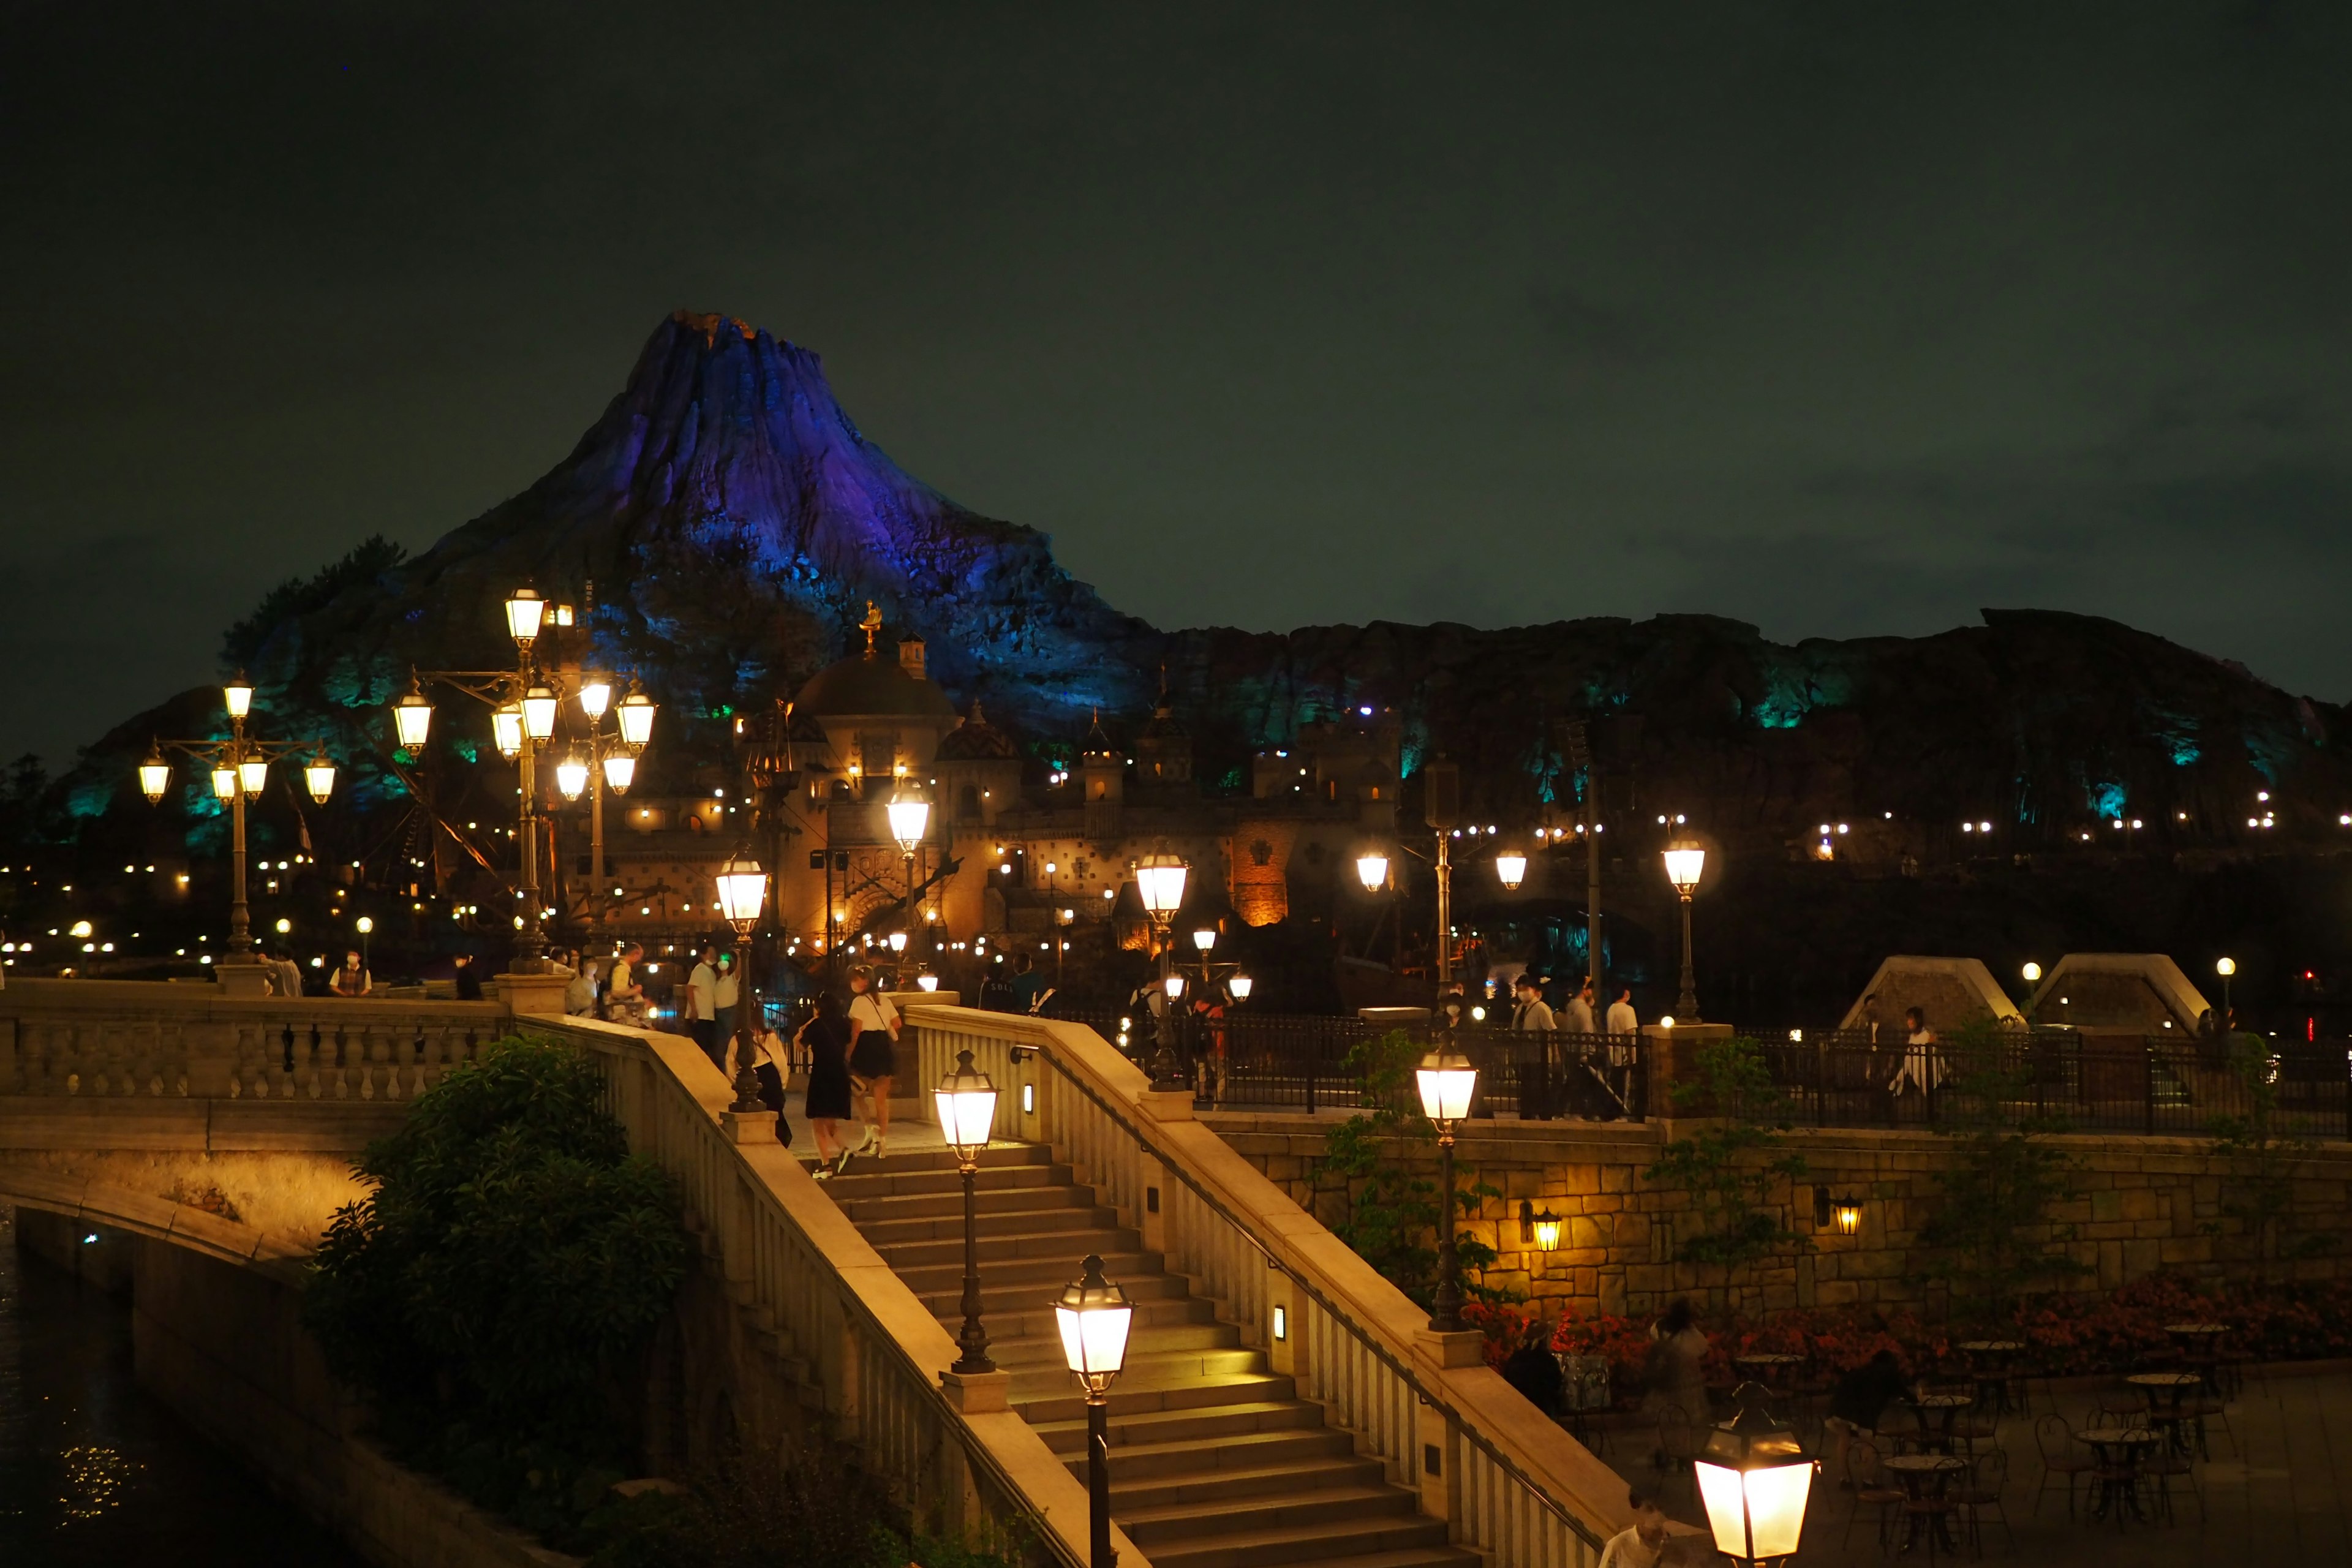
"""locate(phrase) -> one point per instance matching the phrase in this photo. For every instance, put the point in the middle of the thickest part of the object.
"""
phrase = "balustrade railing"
(1511, 1483)
(865, 1347)
(119, 1039)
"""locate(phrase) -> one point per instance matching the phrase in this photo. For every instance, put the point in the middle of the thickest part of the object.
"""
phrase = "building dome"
(976, 740)
(870, 686)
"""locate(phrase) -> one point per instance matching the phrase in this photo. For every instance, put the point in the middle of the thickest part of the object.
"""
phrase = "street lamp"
(1240, 985)
(1848, 1212)
(240, 769)
(539, 713)
(742, 889)
(1754, 1480)
(506, 730)
(365, 926)
(571, 776)
(1159, 881)
(967, 1108)
(525, 610)
(1372, 870)
(1446, 1081)
(1512, 868)
(1685, 862)
(2225, 968)
(637, 717)
(1094, 1317)
(619, 772)
(411, 717)
(909, 814)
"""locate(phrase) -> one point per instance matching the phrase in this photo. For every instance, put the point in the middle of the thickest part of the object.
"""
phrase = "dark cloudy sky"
(1842, 318)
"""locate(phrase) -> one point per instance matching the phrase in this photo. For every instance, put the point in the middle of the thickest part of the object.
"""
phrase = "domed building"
(882, 717)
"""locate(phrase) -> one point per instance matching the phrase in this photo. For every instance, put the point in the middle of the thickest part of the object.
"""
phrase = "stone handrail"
(1509, 1482)
(793, 1259)
(124, 1037)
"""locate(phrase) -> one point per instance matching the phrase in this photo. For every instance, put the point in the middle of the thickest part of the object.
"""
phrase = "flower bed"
(2066, 1335)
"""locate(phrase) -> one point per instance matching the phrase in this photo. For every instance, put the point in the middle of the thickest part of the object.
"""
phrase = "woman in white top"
(580, 992)
(1922, 1064)
(873, 1055)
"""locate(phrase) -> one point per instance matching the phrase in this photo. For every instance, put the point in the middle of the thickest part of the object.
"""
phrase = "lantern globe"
(411, 718)
(525, 611)
(1546, 1228)
(571, 776)
(538, 712)
(1205, 939)
(318, 777)
(595, 695)
(1511, 866)
(2226, 967)
(898, 942)
(742, 889)
(1175, 986)
(1754, 1481)
(237, 696)
(1847, 1213)
(254, 775)
(363, 925)
(225, 784)
(1159, 882)
(619, 772)
(927, 982)
(2033, 972)
(967, 1108)
(1093, 1316)
(1446, 1081)
(909, 814)
(155, 776)
(1240, 985)
(1685, 861)
(506, 729)
(635, 714)
(1372, 870)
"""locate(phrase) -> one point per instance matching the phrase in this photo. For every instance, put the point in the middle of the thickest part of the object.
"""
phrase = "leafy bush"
(493, 1292)
(2260, 1192)
(1733, 1166)
(296, 597)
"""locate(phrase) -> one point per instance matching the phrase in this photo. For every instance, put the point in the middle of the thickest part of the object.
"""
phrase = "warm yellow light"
(909, 814)
(2226, 967)
(1160, 881)
(742, 889)
(155, 776)
(237, 695)
(966, 1106)
(525, 610)
(1446, 1081)
(1240, 985)
(538, 712)
(1372, 870)
(411, 718)
(254, 775)
(1205, 938)
(1685, 863)
(1093, 1316)
(635, 714)
(2033, 972)
(571, 776)
(1512, 868)
(1848, 1214)
(595, 695)
(1174, 985)
(318, 777)
(363, 925)
(620, 769)
(78, 929)
(506, 729)
(225, 782)
(1546, 1228)
(898, 942)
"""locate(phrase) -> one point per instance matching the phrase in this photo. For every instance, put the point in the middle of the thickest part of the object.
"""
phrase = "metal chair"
(1979, 1496)
(1871, 1489)
(2060, 1458)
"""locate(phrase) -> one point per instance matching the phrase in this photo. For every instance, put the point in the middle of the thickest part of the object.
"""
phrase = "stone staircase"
(1216, 1462)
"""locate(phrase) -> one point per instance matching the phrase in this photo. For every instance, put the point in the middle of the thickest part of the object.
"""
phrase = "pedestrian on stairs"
(873, 1054)
(824, 1042)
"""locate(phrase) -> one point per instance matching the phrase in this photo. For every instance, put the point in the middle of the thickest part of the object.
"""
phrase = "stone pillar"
(532, 995)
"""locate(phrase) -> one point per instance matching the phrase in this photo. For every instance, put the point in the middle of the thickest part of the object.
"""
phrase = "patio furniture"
(1935, 1413)
(1872, 1487)
(1993, 1366)
(2166, 1393)
(2163, 1466)
(1927, 1503)
(2121, 1451)
(2055, 1441)
(1978, 1496)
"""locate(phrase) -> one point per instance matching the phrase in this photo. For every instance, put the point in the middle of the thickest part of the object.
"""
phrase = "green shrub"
(1734, 1167)
(494, 1291)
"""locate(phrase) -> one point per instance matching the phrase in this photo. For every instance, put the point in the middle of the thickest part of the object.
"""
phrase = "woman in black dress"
(823, 1044)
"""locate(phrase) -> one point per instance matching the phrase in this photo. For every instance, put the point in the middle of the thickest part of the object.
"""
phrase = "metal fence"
(2176, 1085)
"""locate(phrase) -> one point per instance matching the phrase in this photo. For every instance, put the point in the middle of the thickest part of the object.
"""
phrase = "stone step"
(1211, 1485)
(1056, 1268)
(937, 1205)
(1028, 1222)
(1070, 1245)
(1321, 1542)
(996, 1156)
(1229, 1405)
(1188, 1523)
(1201, 1331)
(1190, 1458)
(1019, 1302)
(1145, 1369)
(1034, 1319)
(884, 1179)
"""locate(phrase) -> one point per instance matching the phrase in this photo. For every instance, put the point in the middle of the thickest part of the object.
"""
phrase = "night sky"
(1841, 319)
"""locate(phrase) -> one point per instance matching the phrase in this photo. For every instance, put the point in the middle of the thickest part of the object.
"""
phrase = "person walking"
(351, 979)
(723, 1001)
(1624, 1042)
(873, 1055)
(1676, 1374)
(1028, 986)
(702, 1004)
(1923, 1065)
(822, 1042)
(625, 994)
(1577, 1019)
(1530, 1014)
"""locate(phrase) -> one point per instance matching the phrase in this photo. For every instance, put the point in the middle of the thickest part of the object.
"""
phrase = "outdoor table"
(1767, 1368)
(2171, 1417)
(1942, 1408)
(2118, 1448)
(1989, 1363)
(1925, 1476)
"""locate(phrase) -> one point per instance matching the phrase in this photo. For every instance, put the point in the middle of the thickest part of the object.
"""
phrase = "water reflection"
(92, 1471)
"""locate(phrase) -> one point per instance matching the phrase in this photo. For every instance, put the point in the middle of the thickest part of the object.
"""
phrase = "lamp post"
(365, 926)
(1685, 862)
(1511, 869)
(239, 768)
(524, 705)
(1441, 797)
(1754, 1480)
(1159, 881)
(742, 889)
(1446, 1081)
(909, 814)
(1094, 1317)
(2225, 968)
(967, 1106)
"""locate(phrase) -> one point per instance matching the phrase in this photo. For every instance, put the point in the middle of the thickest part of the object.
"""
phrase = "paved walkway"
(2277, 1493)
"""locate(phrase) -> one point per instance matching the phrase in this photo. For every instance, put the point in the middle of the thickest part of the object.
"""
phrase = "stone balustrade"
(101, 1039)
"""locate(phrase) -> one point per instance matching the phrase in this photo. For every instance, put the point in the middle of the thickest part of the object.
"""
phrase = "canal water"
(93, 1472)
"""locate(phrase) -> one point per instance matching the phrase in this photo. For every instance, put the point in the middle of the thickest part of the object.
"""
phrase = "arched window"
(968, 803)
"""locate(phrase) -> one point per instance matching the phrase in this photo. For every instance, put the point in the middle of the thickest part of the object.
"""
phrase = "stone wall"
(2143, 1205)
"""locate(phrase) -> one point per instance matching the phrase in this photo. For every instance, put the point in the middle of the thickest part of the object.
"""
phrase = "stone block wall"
(2142, 1205)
